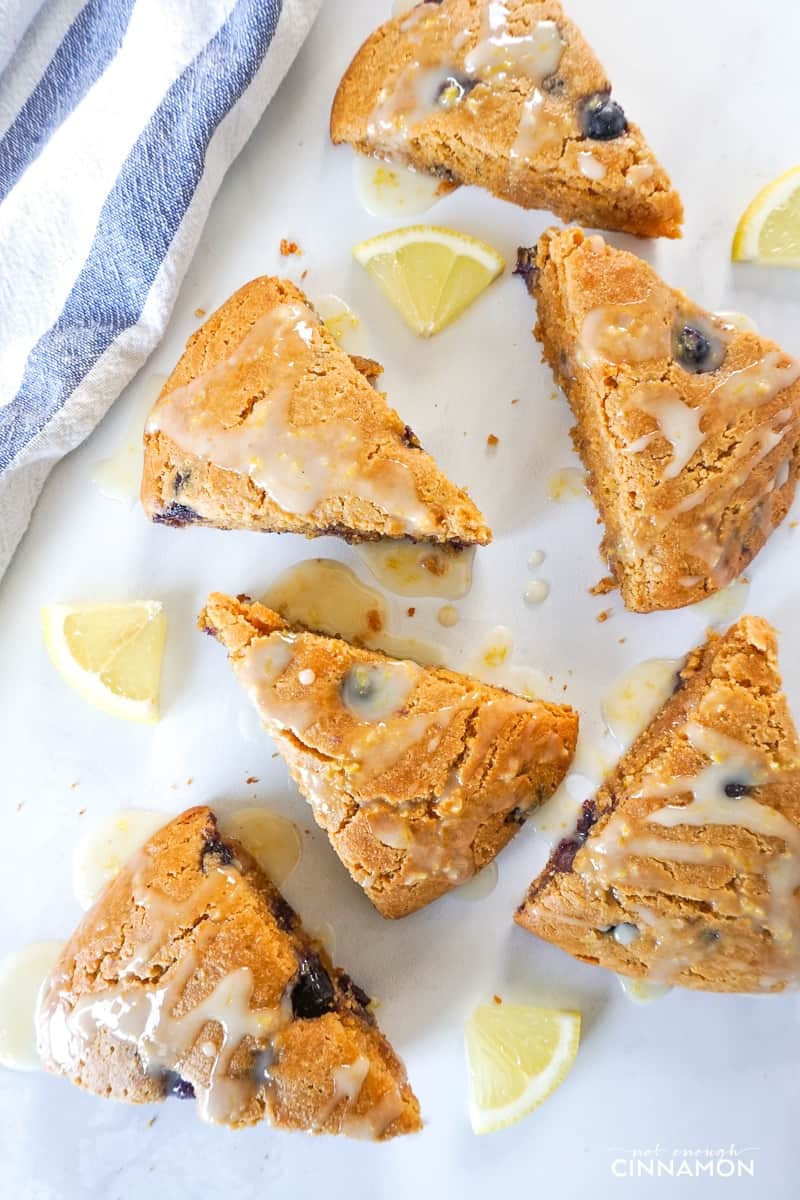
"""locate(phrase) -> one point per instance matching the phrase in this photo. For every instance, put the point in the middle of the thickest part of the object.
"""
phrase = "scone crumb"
(410, 611)
(252, 779)
(515, 400)
(288, 248)
(492, 440)
(199, 312)
(497, 999)
(603, 616)
(603, 587)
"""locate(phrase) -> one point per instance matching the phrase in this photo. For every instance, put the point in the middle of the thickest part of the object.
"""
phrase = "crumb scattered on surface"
(622, 641)
(152, 1121)
(603, 616)
(497, 999)
(251, 779)
(304, 275)
(515, 400)
(199, 312)
(492, 440)
(410, 612)
(288, 248)
(603, 587)
(74, 785)
(81, 812)
(190, 781)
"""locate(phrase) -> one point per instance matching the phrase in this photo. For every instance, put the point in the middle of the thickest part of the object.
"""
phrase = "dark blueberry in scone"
(735, 790)
(217, 849)
(283, 913)
(554, 84)
(359, 684)
(601, 118)
(453, 89)
(180, 481)
(526, 265)
(697, 350)
(313, 994)
(181, 1089)
(350, 988)
(564, 854)
(176, 514)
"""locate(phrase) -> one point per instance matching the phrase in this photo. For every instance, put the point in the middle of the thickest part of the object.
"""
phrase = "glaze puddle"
(420, 569)
(119, 477)
(635, 698)
(21, 977)
(392, 190)
(324, 595)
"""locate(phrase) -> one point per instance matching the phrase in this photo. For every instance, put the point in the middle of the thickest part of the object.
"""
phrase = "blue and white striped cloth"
(118, 120)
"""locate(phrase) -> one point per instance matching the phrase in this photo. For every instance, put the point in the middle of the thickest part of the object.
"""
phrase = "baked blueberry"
(601, 118)
(696, 348)
(453, 89)
(313, 993)
(218, 850)
(526, 265)
(181, 1089)
(176, 514)
(736, 790)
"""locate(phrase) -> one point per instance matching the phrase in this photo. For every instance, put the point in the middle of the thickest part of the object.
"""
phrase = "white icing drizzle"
(298, 465)
(625, 333)
(677, 422)
(590, 166)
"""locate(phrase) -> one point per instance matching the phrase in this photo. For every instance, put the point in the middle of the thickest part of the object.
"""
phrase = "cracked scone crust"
(708, 906)
(425, 782)
(388, 105)
(672, 537)
(255, 398)
(181, 922)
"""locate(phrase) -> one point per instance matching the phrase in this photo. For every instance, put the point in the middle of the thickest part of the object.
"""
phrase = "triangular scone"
(687, 424)
(266, 424)
(192, 976)
(418, 775)
(510, 97)
(685, 867)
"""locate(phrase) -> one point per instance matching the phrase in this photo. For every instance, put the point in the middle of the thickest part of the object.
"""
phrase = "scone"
(266, 424)
(685, 867)
(688, 424)
(418, 775)
(510, 97)
(192, 977)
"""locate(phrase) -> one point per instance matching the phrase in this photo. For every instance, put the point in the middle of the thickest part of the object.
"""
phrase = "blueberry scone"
(192, 977)
(685, 867)
(418, 775)
(266, 424)
(688, 424)
(507, 95)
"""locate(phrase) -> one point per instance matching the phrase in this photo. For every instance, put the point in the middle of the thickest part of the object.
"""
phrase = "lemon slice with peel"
(769, 231)
(517, 1057)
(429, 273)
(109, 653)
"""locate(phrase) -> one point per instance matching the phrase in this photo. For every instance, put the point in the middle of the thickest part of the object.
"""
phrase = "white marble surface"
(714, 84)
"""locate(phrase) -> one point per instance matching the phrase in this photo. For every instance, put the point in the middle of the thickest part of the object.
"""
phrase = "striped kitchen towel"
(118, 120)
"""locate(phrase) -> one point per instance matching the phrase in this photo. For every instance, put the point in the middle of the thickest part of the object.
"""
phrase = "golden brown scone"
(192, 976)
(509, 97)
(418, 775)
(266, 424)
(685, 867)
(688, 425)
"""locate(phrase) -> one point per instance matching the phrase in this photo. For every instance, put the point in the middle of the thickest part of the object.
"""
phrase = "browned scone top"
(192, 976)
(509, 97)
(685, 867)
(688, 424)
(266, 424)
(419, 775)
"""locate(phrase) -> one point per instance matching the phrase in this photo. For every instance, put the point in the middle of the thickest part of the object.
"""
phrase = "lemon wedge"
(769, 231)
(109, 653)
(430, 274)
(517, 1057)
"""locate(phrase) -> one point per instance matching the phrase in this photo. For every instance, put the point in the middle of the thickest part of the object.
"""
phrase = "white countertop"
(714, 86)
